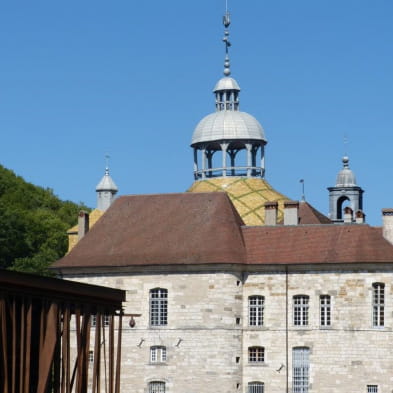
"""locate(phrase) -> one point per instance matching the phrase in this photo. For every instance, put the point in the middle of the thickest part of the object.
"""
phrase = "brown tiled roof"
(181, 228)
(316, 244)
(309, 215)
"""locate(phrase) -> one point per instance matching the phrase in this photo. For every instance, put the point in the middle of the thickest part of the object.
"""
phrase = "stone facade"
(208, 335)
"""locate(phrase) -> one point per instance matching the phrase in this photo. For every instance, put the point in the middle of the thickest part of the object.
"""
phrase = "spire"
(226, 21)
(106, 189)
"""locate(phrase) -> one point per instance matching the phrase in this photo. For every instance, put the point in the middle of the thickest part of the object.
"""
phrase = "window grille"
(378, 304)
(301, 365)
(256, 354)
(300, 310)
(372, 388)
(158, 307)
(325, 305)
(158, 354)
(94, 320)
(255, 310)
(157, 387)
(255, 387)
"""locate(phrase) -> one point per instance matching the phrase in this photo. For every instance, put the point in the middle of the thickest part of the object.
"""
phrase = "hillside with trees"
(33, 224)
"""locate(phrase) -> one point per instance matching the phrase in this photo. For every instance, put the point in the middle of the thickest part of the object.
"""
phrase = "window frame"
(158, 354)
(300, 369)
(158, 302)
(255, 387)
(301, 305)
(372, 388)
(256, 310)
(256, 355)
(378, 305)
(325, 311)
(157, 386)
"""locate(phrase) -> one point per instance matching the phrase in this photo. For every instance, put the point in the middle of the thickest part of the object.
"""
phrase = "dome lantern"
(228, 142)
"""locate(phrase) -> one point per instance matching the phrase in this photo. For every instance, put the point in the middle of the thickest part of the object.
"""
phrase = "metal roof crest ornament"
(226, 22)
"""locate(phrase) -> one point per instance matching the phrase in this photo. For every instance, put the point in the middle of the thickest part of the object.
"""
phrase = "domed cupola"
(346, 193)
(228, 141)
(345, 178)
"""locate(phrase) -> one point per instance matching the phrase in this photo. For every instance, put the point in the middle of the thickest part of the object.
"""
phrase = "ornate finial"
(346, 161)
(226, 21)
(303, 195)
(107, 157)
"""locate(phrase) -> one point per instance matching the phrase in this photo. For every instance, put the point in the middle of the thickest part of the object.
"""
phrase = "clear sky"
(81, 79)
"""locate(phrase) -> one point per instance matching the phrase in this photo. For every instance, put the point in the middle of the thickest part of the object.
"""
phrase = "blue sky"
(80, 79)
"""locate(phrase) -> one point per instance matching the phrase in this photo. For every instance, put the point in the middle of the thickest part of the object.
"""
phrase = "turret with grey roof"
(346, 191)
(106, 190)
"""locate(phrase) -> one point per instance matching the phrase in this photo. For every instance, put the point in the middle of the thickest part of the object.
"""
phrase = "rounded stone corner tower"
(229, 151)
(346, 192)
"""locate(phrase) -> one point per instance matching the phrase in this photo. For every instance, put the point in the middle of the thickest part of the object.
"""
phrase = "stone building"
(243, 290)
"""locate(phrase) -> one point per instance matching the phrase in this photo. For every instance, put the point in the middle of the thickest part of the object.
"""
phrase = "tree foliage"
(33, 224)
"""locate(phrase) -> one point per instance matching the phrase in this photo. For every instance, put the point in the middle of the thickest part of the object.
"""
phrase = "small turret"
(346, 191)
(106, 190)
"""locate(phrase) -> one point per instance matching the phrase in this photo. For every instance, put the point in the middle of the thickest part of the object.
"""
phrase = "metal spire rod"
(226, 22)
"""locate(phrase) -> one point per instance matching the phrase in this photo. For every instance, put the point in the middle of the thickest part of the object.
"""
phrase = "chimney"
(360, 217)
(83, 224)
(387, 224)
(291, 213)
(271, 213)
(348, 215)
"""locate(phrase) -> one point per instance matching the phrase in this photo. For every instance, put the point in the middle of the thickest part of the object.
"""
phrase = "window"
(157, 354)
(255, 387)
(372, 388)
(255, 310)
(300, 310)
(325, 307)
(157, 387)
(91, 356)
(158, 307)
(378, 304)
(256, 354)
(94, 320)
(300, 364)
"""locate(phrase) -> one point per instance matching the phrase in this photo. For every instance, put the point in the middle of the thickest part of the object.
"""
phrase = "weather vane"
(226, 21)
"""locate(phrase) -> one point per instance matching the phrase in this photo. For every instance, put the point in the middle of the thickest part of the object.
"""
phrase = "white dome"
(345, 178)
(228, 125)
(106, 183)
(226, 83)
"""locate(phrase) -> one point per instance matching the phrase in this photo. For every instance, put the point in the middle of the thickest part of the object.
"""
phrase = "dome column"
(249, 159)
(224, 147)
(203, 163)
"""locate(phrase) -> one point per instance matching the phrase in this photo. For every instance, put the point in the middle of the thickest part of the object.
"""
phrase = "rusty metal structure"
(58, 336)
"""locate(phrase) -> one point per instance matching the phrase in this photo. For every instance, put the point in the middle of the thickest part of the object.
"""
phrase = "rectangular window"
(300, 364)
(158, 354)
(158, 307)
(378, 304)
(94, 320)
(255, 387)
(255, 310)
(256, 354)
(325, 306)
(91, 356)
(300, 310)
(157, 387)
(372, 388)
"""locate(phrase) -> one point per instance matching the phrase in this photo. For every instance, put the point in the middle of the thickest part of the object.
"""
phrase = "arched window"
(157, 387)
(255, 387)
(158, 307)
(378, 304)
(256, 306)
(300, 310)
(256, 354)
